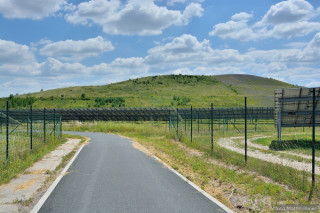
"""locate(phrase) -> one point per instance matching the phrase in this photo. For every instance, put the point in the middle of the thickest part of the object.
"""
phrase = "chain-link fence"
(249, 140)
(22, 133)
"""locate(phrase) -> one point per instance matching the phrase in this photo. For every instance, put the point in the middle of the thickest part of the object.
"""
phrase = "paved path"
(109, 175)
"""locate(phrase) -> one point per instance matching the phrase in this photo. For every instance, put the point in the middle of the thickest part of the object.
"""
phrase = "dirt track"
(230, 144)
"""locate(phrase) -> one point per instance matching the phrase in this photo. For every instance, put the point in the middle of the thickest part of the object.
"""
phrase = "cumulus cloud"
(133, 18)
(236, 28)
(184, 54)
(285, 19)
(187, 52)
(296, 45)
(70, 50)
(297, 53)
(279, 55)
(193, 9)
(288, 12)
(174, 2)
(294, 29)
(183, 49)
(300, 52)
(53, 67)
(184, 44)
(26, 70)
(312, 52)
(30, 9)
(13, 53)
(241, 16)
(313, 84)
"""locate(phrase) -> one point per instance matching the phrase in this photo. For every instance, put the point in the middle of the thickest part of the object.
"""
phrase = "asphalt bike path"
(110, 175)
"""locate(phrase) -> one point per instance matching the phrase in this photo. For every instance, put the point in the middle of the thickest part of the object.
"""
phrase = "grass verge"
(23, 160)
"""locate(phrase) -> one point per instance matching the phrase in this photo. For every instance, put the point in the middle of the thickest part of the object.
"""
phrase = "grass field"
(222, 173)
(163, 91)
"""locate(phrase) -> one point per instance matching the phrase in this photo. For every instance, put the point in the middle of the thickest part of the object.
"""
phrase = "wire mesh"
(290, 163)
(20, 134)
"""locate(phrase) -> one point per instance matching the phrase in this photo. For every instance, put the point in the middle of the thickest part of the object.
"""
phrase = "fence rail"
(146, 114)
(25, 130)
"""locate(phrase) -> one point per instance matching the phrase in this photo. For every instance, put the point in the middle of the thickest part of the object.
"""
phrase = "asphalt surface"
(110, 175)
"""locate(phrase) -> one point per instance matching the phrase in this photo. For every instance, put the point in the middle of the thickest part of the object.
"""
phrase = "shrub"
(293, 144)
(114, 101)
(83, 96)
(20, 102)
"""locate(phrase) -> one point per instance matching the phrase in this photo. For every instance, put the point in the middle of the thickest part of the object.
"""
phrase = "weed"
(23, 202)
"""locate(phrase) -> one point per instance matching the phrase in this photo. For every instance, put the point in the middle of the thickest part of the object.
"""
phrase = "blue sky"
(46, 44)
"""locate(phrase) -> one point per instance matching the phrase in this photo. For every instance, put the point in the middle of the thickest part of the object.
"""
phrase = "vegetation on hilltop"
(161, 91)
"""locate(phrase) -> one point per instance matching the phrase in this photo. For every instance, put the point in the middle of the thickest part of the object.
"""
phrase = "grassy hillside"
(161, 91)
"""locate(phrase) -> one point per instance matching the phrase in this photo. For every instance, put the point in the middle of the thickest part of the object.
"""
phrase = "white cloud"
(275, 55)
(13, 53)
(296, 45)
(288, 12)
(187, 52)
(128, 62)
(173, 2)
(237, 28)
(70, 50)
(54, 67)
(118, 18)
(286, 19)
(241, 16)
(300, 75)
(312, 52)
(193, 9)
(184, 54)
(30, 69)
(313, 84)
(183, 49)
(299, 53)
(30, 9)
(294, 29)
(120, 66)
(184, 44)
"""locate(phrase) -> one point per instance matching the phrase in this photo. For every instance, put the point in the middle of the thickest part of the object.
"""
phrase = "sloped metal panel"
(144, 114)
(293, 107)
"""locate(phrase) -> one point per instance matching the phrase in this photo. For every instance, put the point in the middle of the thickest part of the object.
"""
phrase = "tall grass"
(21, 156)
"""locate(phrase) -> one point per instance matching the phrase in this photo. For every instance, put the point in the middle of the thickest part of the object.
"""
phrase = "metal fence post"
(177, 122)
(31, 127)
(7, 132)
(169, 120)
(198, 122)
(245, 130)
(1, 124)
(313, 133)
(44, 125)
(27, 126)
(279, 125)
(54, 123)
(185, 122)
(211, 127)
(191, 122)
(60, 126)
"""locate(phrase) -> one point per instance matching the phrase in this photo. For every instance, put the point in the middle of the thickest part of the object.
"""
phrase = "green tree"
(83, 96)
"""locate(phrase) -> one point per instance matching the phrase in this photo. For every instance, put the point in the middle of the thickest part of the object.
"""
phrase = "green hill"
(160, 91)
